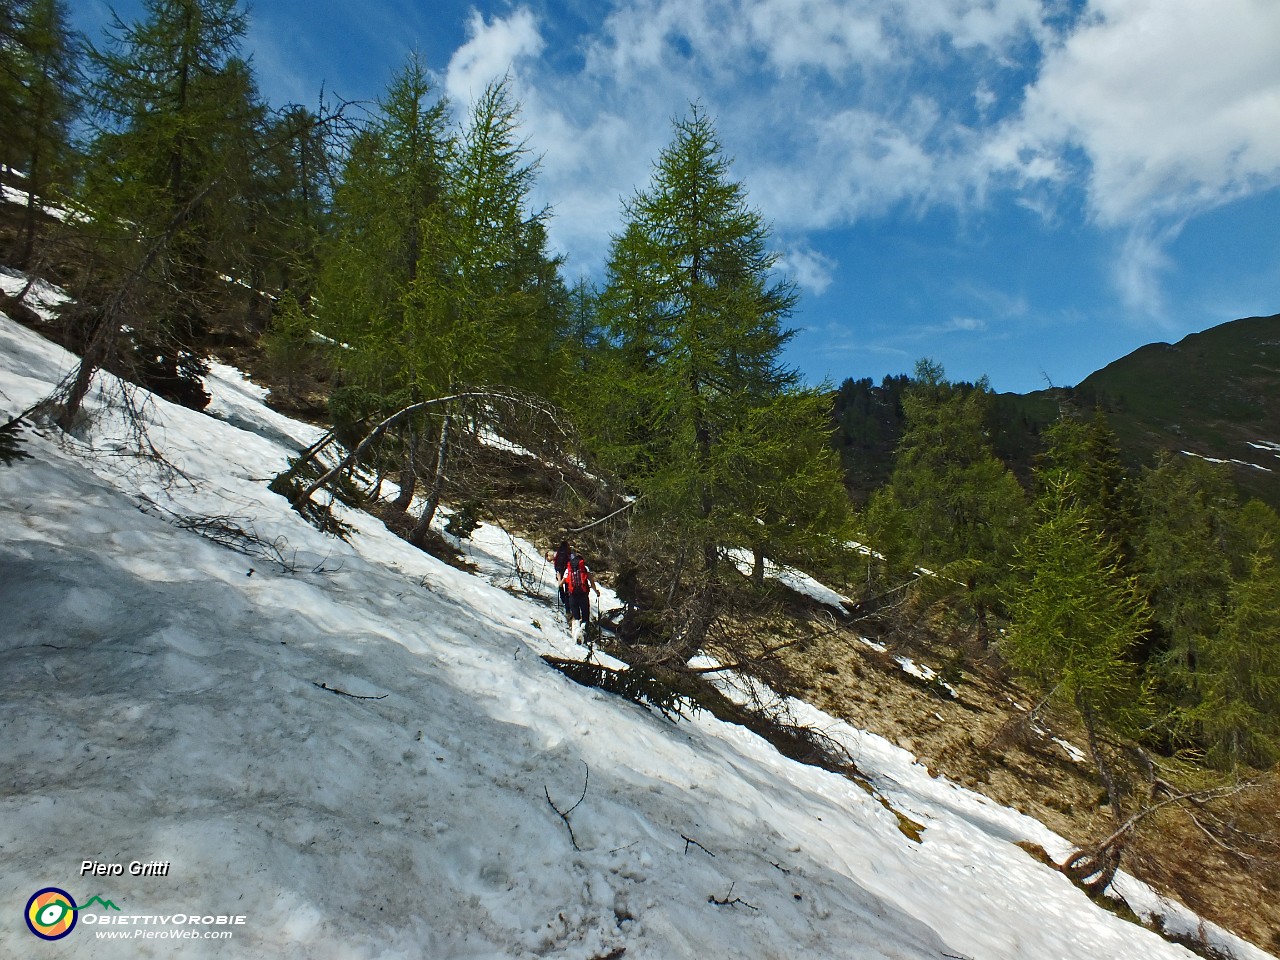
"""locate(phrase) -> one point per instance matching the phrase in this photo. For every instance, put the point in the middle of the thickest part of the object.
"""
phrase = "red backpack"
(575, 575)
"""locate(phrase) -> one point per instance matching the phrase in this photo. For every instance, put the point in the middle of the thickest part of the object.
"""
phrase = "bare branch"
(726, 902)
(343, 693)
(689, 840)
(564, 814)
(595, 523)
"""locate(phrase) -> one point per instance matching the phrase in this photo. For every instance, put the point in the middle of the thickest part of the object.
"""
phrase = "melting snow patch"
(164, 699)
(927, 674)
(878, 647)
(801, 583)
(21, 197)
(1238, 463)
(1074, 752)
(497, 442)
(44, 298)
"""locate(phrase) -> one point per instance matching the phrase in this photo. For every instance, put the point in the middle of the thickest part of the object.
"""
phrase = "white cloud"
(848, 165)
(1152, 109)
(796, 34)
(963, 325)
(811, 270)
(968, 24)
(1174, 103)
(1139, 270)
(491, 52)
(808, 96)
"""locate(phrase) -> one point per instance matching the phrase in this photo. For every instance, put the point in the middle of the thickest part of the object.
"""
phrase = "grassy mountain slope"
(1214, 394)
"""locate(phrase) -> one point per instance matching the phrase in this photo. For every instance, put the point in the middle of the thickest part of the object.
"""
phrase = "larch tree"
(1090, 451)
(950, 505)
(39, 103)
(1237, 713)
(498, 301)
(437, 278)
(694, 315)
(384, 249)
(1076, 622)
(177, 121)
(288, 205)
(1184, 553)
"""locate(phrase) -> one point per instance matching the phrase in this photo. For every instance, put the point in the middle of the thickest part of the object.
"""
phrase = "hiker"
(576, 581)
(560, 559)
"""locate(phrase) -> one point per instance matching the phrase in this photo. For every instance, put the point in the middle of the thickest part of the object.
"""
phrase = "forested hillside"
(1212, 395)
(384, 269)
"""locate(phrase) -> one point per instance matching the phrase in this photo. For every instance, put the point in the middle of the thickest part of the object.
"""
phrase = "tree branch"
(564, 814)
(343, 693)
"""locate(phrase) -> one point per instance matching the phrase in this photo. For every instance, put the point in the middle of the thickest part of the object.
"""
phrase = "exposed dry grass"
(984, 742)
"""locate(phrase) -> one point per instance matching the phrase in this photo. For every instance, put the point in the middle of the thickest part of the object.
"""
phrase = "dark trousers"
(579, 606)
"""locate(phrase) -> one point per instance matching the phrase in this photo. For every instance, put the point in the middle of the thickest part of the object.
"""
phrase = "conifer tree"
(178, 122)
(787, 501)
(1184, 560)
(1238, 673)
(388, 206)
(174, 104)
(694, 315)
(1076, 621)
(288, 203)
(1090, 451)
(39, 102)
(583, 339)
(498, 301)
(437, 278)
(950, 505)
(508, 294)
(385, 273)
(1075, 616)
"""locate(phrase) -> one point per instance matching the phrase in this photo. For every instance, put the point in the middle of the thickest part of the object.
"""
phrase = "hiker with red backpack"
(575, 581)
(559, 559)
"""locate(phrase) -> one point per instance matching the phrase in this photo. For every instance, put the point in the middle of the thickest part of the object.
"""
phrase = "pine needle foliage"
(1238, 712)
(1076, 617)
(696, 410)
(950, 505)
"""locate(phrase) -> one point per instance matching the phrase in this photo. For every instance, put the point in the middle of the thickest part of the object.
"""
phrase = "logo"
(51, 913)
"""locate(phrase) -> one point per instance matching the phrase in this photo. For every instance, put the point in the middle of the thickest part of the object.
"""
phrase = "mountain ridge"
(1214, 394)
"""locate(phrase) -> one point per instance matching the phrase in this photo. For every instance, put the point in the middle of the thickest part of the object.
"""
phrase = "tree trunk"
(1094, 868)
(101, 338)
(408, 472)
(419, 535)
(757, 567)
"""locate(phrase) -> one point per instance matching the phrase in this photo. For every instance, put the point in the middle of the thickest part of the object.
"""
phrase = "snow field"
(163, 701)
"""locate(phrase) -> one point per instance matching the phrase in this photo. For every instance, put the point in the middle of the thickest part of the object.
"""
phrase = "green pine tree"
(436, 277)
(385, 277)
(508, 298)
(1076, 621)
(1184, 556)
(39, 104)
(388, 209)
(1238, 673)
(702, 418)
(950, 505)
(1090, 451)
(287, 202)
(178, 122)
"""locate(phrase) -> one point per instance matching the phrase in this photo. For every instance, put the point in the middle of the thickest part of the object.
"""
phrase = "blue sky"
(1023, 189)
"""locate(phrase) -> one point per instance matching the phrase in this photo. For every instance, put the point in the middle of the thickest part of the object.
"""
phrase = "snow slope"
(169, 700)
